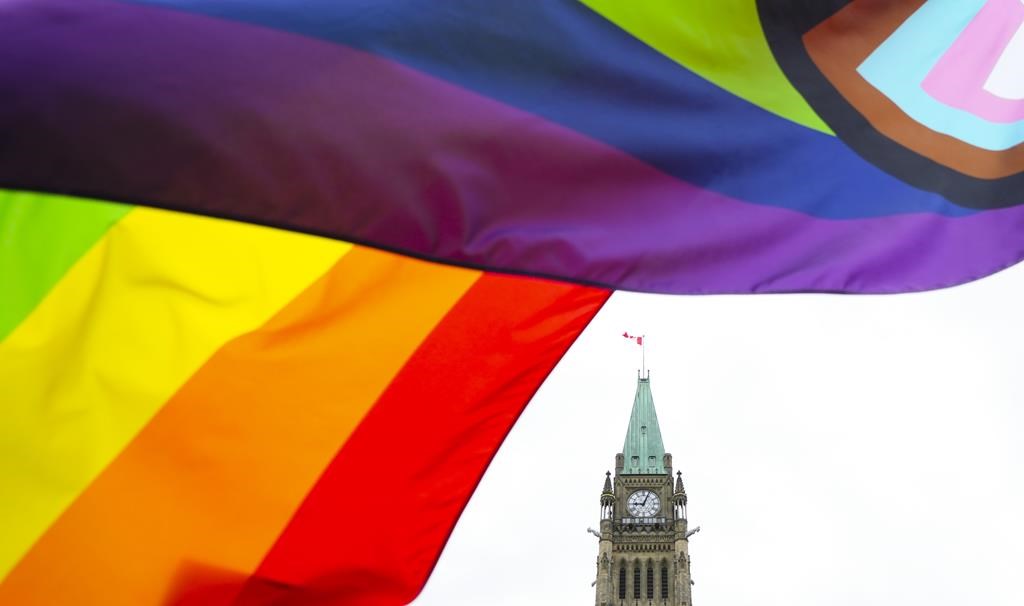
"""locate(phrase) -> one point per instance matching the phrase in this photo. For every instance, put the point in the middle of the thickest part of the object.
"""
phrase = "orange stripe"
(213, 479)
(444, 417)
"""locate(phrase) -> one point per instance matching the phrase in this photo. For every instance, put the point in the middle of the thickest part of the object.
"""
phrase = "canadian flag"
(638, 338)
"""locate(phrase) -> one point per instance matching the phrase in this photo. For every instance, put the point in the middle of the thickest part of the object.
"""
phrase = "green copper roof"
(643, 451)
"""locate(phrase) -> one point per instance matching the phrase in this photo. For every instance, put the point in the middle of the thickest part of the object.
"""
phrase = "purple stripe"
(176, 110)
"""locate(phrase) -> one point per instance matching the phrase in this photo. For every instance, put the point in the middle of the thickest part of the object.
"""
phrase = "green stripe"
(41, 237)
(719, 40)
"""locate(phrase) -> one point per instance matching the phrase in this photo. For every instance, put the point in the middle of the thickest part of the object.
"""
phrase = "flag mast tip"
(642, 342)
(643, 355)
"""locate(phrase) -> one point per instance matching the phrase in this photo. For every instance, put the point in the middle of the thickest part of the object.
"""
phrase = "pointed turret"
(643, 452)
(607, 500)
(680, 492)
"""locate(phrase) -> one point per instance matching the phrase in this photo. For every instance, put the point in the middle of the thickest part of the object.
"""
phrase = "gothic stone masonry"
(643, 555)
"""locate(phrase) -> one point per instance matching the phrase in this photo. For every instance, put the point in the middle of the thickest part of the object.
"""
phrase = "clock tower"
(643, 555)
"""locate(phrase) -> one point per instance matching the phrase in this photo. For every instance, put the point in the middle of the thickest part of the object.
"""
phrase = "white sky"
(836, 450)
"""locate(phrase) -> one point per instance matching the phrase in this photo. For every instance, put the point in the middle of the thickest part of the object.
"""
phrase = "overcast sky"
(836, 450)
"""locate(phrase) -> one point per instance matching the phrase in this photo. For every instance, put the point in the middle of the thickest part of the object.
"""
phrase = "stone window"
(636, 579)
(622, 580)
(664, 580)
(650, 580)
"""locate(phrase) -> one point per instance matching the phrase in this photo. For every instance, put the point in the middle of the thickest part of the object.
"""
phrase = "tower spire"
(644, 452)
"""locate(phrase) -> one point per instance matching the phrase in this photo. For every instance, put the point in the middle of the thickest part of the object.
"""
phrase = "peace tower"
(643, 556)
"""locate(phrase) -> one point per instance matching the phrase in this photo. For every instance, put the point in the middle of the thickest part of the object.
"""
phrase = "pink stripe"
(958, 79)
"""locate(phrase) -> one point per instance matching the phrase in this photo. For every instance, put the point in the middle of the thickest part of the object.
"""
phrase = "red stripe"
(373, 527)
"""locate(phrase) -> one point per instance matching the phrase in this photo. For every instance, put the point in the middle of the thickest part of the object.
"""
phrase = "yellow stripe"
(131, 321)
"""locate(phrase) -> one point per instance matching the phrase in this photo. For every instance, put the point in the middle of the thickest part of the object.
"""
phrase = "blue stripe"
(561, 61)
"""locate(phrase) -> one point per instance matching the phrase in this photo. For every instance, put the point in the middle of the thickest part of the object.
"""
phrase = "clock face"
(643, 504)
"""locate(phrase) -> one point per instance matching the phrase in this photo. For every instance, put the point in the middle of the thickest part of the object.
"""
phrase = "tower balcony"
(643, 524)
(644, 520)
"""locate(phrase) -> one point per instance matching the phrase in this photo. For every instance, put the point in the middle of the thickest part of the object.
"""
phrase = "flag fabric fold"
(260, 259)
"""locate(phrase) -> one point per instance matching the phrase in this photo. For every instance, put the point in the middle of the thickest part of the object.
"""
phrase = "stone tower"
(643, 556)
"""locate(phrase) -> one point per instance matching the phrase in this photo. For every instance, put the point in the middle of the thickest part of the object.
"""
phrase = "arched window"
(664, 580)
(636, 579)
(622, 580)
(650, 580)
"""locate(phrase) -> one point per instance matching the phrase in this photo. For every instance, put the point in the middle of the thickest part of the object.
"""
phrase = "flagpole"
(643, 354)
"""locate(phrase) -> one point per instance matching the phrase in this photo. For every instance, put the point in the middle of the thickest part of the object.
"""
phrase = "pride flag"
(266, 264)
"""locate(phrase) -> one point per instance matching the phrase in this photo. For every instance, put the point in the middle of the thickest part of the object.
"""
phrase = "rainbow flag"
(266, 264)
